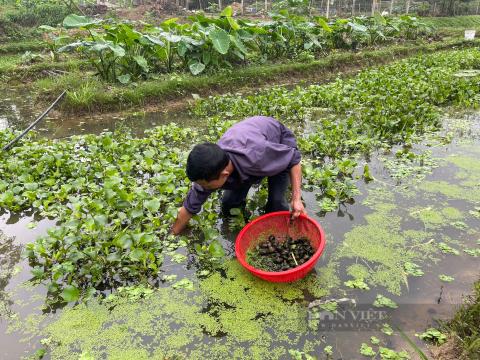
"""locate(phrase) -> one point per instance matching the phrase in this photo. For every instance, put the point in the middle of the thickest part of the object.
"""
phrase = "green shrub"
(42, 14)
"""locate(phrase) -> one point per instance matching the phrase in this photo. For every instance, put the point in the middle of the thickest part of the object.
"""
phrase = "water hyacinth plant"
(115, 196)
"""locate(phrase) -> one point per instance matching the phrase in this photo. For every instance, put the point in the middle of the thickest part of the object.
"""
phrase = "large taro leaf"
(73, 21)
(228, 11)
(196, 67)
(142, 62)
(74, 45)
(239, 43)
(172, 38)
(358, 27)
(220, 40)
(323, 23)
(102, 46)
(151, 39)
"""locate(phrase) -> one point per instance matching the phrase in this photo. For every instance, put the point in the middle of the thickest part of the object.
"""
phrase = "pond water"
(427, 218)
(18, 110)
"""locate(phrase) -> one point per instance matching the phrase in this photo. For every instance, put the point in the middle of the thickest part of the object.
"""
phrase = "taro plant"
(54, 38)
(123, 51)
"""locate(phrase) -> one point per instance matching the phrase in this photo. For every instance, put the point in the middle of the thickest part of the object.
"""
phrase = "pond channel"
(426, 215)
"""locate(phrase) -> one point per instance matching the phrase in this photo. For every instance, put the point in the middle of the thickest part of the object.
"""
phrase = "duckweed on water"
(229, 312)
(468, 188)
(388, 248)
(433, 218)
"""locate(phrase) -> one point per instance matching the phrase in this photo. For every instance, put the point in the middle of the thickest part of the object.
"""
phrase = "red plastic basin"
(277, 223)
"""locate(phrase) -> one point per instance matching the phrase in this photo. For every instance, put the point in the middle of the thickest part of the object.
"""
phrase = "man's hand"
(296, 181)
(183, 218)
(297, 208)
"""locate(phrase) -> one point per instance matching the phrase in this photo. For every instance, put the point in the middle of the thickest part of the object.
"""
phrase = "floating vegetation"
(357, 284)
(383, 301)
(472, 252)
(433, 219)
(446, 278)
(143, 323)
(115, 196)
(409, 165)
(447, 249)
(413, 269)
(387, 329)
(433, 336)
(366, 350)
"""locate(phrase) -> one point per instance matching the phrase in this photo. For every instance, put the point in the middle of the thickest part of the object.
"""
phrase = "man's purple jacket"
(259, 146)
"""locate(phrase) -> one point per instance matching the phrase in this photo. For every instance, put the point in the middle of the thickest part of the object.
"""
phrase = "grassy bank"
(15, 47)
(464, 329)
(455, 26)
(90, 94)
(471, 21)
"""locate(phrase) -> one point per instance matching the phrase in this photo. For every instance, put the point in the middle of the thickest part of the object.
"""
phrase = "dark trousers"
(277, 186)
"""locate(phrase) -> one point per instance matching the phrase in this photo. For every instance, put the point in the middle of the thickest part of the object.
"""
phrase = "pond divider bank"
(89, 94)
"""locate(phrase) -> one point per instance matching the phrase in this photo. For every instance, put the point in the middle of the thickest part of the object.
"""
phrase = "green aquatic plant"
(300, 355)
(356, 119)
(367, 351)
(408, 165)
(413, 269)
(357, 284)
(475, 212)
(328, 350)
(387, 329)
(114, 202)
(389, 354)
(433, 336)
(382, 301)
(447, 249)
(472, 252)
(446, 278)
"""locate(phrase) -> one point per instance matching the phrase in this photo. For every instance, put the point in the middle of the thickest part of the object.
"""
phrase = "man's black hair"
(206, 161)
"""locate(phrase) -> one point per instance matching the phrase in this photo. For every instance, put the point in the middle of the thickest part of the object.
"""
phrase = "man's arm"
(296, 182)
(183, 218)
(192, 205)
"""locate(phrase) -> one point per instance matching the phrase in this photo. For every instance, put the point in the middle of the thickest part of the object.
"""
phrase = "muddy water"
(18, 110)
(421, 299)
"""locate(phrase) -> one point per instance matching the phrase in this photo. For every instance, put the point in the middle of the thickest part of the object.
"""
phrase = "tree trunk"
(242, 7)
(353, 7)
(476, 11)
(266, 6)
(391, 6)
(408, 7)
(219, 5)
(186, 4)
(328, 9)
(373, 7)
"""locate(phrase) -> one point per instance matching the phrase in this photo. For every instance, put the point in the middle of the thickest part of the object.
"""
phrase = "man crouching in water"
(250, 150)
